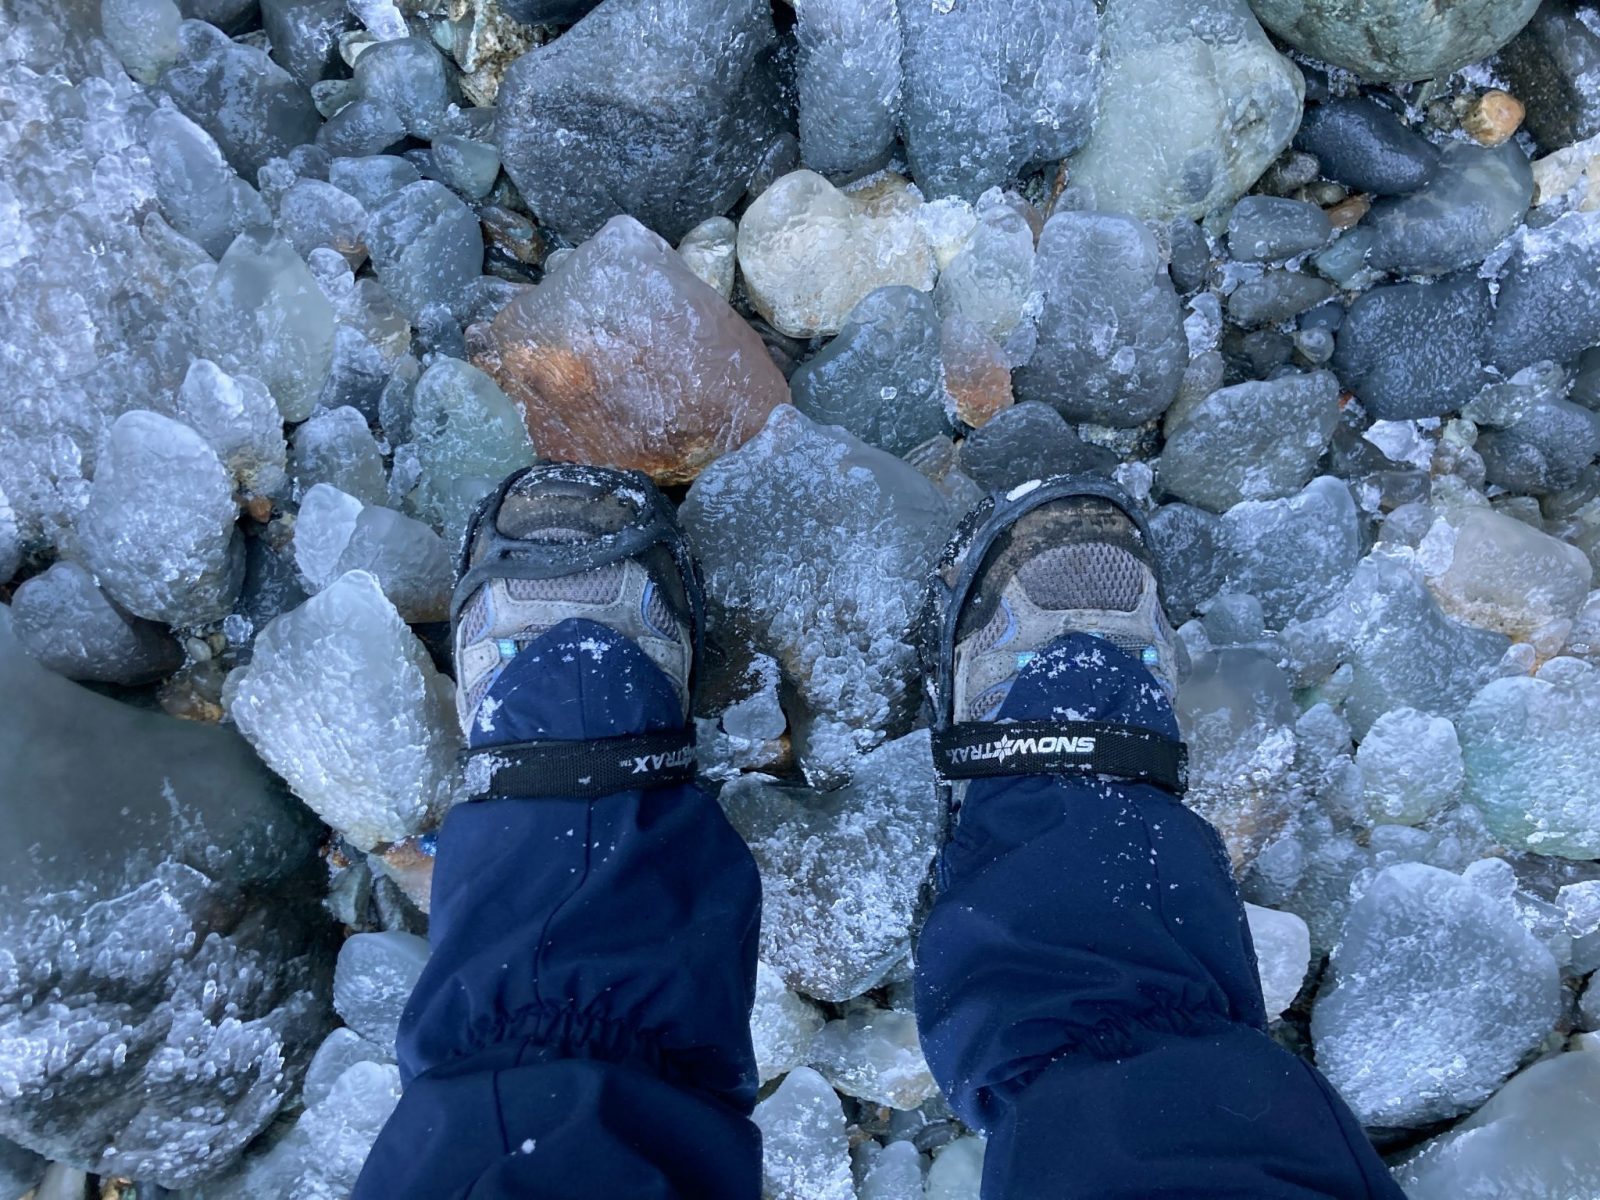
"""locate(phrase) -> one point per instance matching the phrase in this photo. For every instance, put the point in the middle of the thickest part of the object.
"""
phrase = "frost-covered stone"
(338, 449)
(670, 132)
(373, 980)
(977, 376)
(957, 1170)
(239, 420)
(313, 213)
(710, 251)
(1475, 198)
(304, 35)
(841, 870)
(1396, 39)
(343, 702)
(1272, 228)
(1506, 575)
(810, 253)
(992, 86)
(895, 1174)
(881, 378)
(340, 1051)
(990, 279)
(322, 530)
(199, 193)
(1196, 104)
(1410, 767)
(407, 74)
(1549, 301)
(1111, 343)
(144, 33)
(1415, 349)
(426, 247)
(1427, 953)
(1296, 555)
(816, 547)
(622, 356)
(1283, 955)
(158, 531)
(848, 79)
(335, 533)
(1252, 441)
(1028, 441)
(875, 1056)
(1365, 146)
(66, 622)
(1531, 748)
(782, 1025)
(804, 1152)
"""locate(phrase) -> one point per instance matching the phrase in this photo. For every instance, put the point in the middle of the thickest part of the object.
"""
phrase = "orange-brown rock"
(623, 357)
(975, 371)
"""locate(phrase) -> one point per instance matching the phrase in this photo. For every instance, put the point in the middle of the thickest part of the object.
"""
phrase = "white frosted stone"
(1283, 955)
(782, 1024)
(240, 421)
(957, 1171)
(322, 530)
(340, 1051)
(373, 980)
(1410, 766)
(804, 1152)
(876, 1057)
(896, 1174)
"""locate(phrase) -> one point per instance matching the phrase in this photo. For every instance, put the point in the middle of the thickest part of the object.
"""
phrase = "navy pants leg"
(582, 1026)
(1087, 991)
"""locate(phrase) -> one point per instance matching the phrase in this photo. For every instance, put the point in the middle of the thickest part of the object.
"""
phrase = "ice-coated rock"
(340, 1051)
(1111, 343)
(467, 436)
(253, 108)
(1531, 748)
(841, 870)
(977, 376)
(200, 195)
(337, 448)
(239, 420)
(1188, 545)
(881, 377)
(804, 1152)
(304, 35)
(335, 533)
(1295, 556)
(990, 279)
(816, 547)
(875, 1056)
(407, 75)
(362, 127)
(1415, 349)
(1283, 955)
(670, 132)
(1030, 440)
(1549, 301)
(848, 78)
(782, 1025)
(1410, 767)
(1475, 198)
(1544, 448)
(710, 251)
(1533, 1140)
(992, 86)
(1396, 39)
(1505, 575)
(373, 980)
(156, 901)
(343, 702)
(313, 213)
(1438, 992)
(265, 317)
(623, 356)
(1195, 105)
(322, 530)
(957, 1170)
(896, 1174)
(426, 247)
(144, 33)
(67, 623)
(1365, 146)
(158, 531)
(1550, 66)
(810, 253)
(1252, 441)
(1275, 297)
(1272, 228)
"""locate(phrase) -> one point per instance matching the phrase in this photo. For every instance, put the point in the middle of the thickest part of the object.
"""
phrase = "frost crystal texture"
(1410, 767)
(804, 1152)
(1283, 954)
(343, 702)
(782, 1025)
(848, 78)
(64, 621)
(373, 981)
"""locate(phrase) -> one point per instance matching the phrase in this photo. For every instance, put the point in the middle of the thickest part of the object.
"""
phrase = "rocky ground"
(287, 284)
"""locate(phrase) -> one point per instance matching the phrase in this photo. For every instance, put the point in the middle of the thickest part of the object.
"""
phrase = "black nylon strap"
(983, 749)
(586, 770)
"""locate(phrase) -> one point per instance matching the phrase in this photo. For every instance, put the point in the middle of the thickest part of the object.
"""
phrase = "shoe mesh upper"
(1085, 575)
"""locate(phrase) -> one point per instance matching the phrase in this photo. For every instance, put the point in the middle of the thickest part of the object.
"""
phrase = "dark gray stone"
(1477, 197)
(1365, 146)
(1188, 545)
(305, 35)
(1029, 441)
(1549, 301)
(1415, 349)
(1553, 67)
(1271, 228)
(1275, 297)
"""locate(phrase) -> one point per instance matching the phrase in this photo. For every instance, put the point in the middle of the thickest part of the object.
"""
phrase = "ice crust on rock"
(804, 1152)
(875, 1056)
(816, 547)
(1030, 440)
(426, 247)
(1283, 955)
(711, 252)
(343, 702)
(782, 1025)
(335, 533)
(198, 190)
(994, 85)
(957, 1170)
(1410, 767)
(1415, 349)
(1366, 146)
(1195, 105)
(847, 75)
(1549, 300)
(67, 623)
(1475, 198)
(1295, 555)
(407, 75)
(240, 421)
(1427, 953)
(1507, 576)
(373, 980)
(989, 280)
(622, 356)
(337, 448)
(1274, 228)
(1111, 342)
(340, 1051)
(895, 1174)
(841, 870)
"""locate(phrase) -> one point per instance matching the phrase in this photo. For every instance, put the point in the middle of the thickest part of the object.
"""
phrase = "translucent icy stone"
(372, 179)
(322, 530)
(312, 214)
(64, 621)
(1295, 555)
(266, 317)
(810, 252)
(875, 1056)
(804, 1151)
(362, 127)
(144, 33)
(426, 247)
(782, 1025)
(1508, 576)
(239, 420)
(990, 279)
(158, 529)
(991, 87)
(670, 132)
(977, 376)
(1272, 228)
(340, 1051)
(238, 95)
(710, 251)
(896, 1174)
(1549, 301)
(373, 980)
(336, 533)
(1196, 104)
(623, 356)
(1283, 954)
(848, 79)
(817, 548)
(1365, 146)
(1531, 747)
(199, 193)
(881, 378)
(337, 448)
(1415, 349)
(957, 1170)
(305, 35)
(1028, 441)
(1580, 904)
(343, 702)
(1475, 198)
(1426, 952)
(468, 166)
(1111, 343)
(1545, 449)
(408, 75)
(1396, 39)
(841, 870)
(1252, 441)
(1410, 767)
